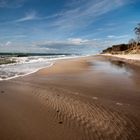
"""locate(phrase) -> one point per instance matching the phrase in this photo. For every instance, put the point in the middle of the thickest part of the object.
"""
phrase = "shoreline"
(125, 58)
(133, 59)
(52, 63)
(26, 73)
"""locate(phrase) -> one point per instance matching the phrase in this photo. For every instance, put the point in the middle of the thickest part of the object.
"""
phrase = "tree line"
(137, 33)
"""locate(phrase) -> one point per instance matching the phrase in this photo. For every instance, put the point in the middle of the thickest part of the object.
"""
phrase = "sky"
(66, 26)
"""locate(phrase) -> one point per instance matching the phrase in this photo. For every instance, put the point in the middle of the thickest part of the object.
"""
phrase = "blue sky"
(69, 26)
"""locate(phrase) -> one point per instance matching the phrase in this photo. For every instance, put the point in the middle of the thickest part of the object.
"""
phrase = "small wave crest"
(27, 65)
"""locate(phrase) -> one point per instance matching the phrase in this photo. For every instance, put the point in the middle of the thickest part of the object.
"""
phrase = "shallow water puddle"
(112, 67)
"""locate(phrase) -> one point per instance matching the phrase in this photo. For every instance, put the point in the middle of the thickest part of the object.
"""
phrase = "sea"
(28, 63)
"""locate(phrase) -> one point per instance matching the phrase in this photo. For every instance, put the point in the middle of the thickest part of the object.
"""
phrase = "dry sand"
(126, 56)
(93, 98)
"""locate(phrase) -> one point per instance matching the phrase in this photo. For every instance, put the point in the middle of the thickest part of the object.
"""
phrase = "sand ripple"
(93, 120)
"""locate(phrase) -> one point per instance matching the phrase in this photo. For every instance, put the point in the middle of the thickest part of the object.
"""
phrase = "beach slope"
(89, 98)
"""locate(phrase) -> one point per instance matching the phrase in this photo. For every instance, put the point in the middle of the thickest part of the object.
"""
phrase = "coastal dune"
(89, 98)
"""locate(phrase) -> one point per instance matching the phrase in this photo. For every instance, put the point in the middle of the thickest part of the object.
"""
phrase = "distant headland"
(132, 47)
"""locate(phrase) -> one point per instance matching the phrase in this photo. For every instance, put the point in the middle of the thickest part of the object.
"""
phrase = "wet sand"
(131, 58)
(91, 98)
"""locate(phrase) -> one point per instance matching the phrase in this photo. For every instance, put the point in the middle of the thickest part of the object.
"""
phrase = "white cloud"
(77, 14)
(28, 16)
(81, 14)
(74, 45)
(70, 42)
(19, 47)
(8, 43)
(111, 36)
(117, 37)
(77, 41)
(70, 45)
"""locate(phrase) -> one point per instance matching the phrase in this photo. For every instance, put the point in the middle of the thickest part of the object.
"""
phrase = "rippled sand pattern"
(93, 120)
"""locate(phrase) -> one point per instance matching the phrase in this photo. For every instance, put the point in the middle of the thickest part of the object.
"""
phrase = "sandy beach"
(126, 56)
(89, 98)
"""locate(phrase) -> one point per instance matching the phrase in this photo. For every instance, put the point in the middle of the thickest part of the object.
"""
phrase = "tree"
(131, 41)
(137, 32)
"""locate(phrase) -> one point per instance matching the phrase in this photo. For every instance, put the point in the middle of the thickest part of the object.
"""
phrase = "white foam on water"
(28, 65)
(21, 75)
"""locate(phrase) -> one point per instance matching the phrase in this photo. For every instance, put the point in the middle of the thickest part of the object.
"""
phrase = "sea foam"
(28, 65)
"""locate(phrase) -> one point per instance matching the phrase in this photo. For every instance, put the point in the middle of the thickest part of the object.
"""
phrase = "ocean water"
(28, 64)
